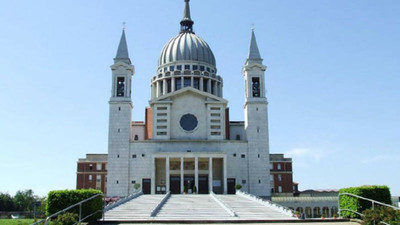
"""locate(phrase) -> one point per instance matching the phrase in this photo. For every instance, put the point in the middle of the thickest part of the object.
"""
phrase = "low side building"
(92, 172)
(313, 203)
(282, 176)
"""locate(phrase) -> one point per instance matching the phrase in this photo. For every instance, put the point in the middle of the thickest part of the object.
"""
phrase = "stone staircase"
(196, 209)
(192, 207)
(251, 210)
(136, 209)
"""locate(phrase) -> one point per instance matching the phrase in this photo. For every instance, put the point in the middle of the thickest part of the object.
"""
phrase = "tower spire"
(122, 52)
(187, 22)
(254, 53)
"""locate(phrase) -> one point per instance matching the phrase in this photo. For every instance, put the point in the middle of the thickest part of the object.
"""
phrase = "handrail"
(154, 212)
(366, 199)
(70, 207)
(122, 201)
(230, 211)
(284, 209)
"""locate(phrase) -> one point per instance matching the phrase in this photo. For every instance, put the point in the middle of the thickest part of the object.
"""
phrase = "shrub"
(381, 214)
(194, 189)
(136, 186)
(238, 186)
(59, 200)
(377, 193)
(66, 219)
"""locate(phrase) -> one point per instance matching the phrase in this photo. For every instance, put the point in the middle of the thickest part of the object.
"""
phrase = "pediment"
(189, 90)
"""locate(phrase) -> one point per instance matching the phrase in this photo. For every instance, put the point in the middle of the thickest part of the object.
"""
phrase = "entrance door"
(146, 186)
(203, 184)
(231, 185)
(175, 184)
(188, 184)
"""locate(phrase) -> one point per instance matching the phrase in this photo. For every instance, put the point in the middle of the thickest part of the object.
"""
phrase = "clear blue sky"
(333, 81)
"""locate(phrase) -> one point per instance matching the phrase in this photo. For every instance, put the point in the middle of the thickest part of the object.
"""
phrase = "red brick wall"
(286, 174)
(148, 127)
(83, 172)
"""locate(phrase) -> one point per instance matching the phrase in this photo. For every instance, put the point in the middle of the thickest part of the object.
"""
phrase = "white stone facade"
(187, 144)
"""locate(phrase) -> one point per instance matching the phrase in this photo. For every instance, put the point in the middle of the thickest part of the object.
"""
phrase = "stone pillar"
(196, 172)
(153, 176)
(167, 174)
(164, 84)
(209, 86)
(201, 84)
(157, 89)
(182, 174)
(221, 93)
(210, 175)
(172, 84)
(225, 180)
(153, 92)
(182, 79)
(192, 82)
(215, 88)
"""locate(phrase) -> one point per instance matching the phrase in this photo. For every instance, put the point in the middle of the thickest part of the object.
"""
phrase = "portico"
(189, 172)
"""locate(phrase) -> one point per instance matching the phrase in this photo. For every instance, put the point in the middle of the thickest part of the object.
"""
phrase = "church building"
(187, 144)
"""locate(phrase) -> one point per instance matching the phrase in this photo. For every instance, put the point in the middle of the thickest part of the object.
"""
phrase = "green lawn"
(16, 221)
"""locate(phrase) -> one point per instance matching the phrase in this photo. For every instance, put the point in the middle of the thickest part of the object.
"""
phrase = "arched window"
(237, 136)
(299, 209)
(136, 137)
(334, 211)
(317, 212)
(308, 212)
(325, 212)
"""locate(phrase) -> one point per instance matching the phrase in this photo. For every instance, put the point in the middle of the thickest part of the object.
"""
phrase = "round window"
(188, 122)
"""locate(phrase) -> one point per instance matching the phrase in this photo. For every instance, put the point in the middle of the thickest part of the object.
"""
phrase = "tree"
(6, 202)
(23, 200)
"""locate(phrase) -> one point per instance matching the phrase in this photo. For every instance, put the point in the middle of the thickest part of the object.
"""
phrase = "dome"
(186, 46)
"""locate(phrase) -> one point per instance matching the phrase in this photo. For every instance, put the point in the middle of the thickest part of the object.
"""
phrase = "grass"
(16, 221)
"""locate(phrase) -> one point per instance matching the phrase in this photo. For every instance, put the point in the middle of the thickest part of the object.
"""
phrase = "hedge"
(377, 193)
(59, 200)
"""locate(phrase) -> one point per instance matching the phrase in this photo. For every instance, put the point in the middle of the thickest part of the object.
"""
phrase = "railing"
(230, 211)
(154, 212)
(373, 203)
(281, 208)
(122, 201)
(46, 221)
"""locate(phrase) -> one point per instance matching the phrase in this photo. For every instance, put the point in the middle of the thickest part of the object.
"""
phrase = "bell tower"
(256, 122)
(120, 122)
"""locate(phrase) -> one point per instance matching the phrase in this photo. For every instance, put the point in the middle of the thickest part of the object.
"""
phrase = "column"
(225, 180)
(201, 83)
(152, 91)
(192, 82)
(167, 174)
(157, 89)
(196, 173)
(182, 177)
(153, 176)
(221, 93)
(182, 82)
(172, 84)
(209, 85)
(215, 88)
(210, 175)
(164, 84)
